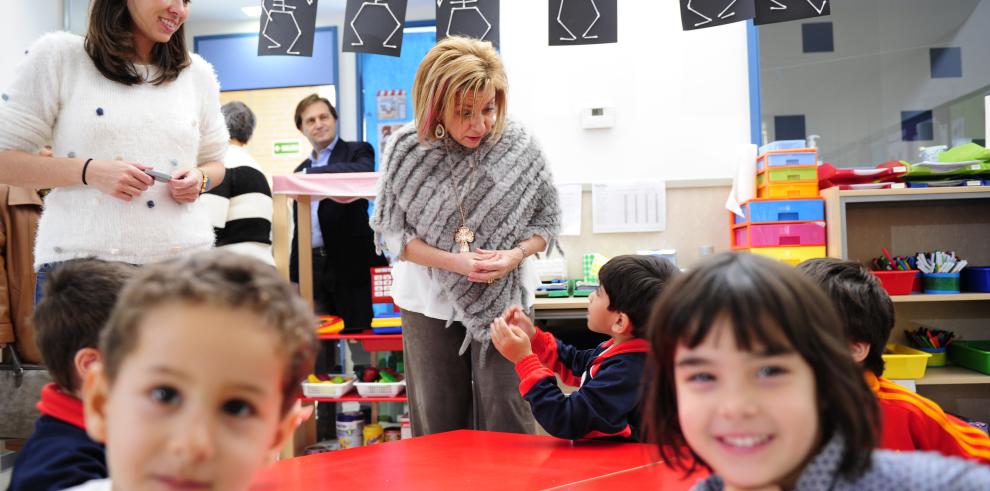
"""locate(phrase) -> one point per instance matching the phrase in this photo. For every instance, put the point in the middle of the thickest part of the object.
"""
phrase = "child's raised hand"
(514, 316)
(511, 341)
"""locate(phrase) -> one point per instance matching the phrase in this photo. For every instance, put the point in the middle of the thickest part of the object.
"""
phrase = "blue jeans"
(41, 276)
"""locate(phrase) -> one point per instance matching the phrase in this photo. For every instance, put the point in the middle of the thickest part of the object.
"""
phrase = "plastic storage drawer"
(779, 234)
(790, 255)
(976, 279)
(782, 210)
(901, 362)
(786, 174)
(791, 189)
(974, 355)
(783, 145)
(776, 158)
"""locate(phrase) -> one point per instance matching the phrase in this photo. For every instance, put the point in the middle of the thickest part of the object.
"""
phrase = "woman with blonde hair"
(466, 196)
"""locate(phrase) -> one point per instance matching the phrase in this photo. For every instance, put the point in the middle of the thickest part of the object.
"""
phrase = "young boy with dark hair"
(609, 376)
(78, 298)
(910, 421)
(202, 362)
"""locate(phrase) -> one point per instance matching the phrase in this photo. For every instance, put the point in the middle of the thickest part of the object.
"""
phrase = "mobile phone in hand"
(158, 176)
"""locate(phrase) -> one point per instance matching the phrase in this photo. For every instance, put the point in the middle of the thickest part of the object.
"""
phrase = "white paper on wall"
(569, 196)
(629, 207)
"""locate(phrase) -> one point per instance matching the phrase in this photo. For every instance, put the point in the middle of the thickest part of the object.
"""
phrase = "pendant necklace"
(464, 235)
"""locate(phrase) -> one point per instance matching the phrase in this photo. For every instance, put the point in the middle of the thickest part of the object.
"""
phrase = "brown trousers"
(448, 391)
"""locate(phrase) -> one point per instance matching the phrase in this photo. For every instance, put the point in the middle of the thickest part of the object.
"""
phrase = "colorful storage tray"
(901, 362)
(787, 174)
(781, 210)
(783, 145)
(974, 355)
(790, 189)
(779, 234)
(777, 158)
(790, 255)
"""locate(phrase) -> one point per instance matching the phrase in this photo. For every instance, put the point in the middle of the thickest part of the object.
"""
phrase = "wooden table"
(478, 461)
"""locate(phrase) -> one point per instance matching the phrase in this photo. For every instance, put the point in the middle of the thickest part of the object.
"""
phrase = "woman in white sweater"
(125, 99)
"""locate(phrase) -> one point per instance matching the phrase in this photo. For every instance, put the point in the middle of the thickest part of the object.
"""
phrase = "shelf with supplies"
(545, 308)
(906, 221)
(952, 297)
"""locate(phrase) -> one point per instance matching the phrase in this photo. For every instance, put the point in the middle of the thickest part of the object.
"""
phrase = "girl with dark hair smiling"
(753, 376)
(126, 100)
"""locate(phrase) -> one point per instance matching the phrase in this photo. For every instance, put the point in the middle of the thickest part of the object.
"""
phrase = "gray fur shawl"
(508, 197)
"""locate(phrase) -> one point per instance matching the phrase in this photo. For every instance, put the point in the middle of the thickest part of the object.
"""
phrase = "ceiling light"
(254, 11)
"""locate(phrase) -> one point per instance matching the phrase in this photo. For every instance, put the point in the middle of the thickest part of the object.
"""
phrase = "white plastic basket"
(326, 389)
(380, 389)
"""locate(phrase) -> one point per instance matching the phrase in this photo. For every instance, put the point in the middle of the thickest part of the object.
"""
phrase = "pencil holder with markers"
(941, 271)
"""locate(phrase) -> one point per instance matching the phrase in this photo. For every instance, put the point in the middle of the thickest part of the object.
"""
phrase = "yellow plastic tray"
(901, 362)
(791, 254)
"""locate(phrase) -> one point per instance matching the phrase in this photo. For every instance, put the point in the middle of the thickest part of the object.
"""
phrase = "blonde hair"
(453, 68)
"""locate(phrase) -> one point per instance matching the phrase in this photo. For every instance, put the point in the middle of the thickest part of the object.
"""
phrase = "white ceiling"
(230, 10)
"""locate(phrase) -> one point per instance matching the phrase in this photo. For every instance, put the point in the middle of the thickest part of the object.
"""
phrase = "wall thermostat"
(598, 117)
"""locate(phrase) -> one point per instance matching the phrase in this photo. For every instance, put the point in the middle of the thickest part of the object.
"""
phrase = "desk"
(545, 308)
(475, 460)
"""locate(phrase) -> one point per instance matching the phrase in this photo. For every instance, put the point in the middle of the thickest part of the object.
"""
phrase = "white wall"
(23, 23)
(681, 98)
(853, 97)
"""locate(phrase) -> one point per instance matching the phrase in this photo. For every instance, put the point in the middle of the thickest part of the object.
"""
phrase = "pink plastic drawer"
(780, 234)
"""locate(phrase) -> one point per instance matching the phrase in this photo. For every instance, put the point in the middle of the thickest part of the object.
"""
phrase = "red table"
(477, 460)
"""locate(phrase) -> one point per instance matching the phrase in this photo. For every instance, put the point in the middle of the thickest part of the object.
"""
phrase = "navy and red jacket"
(609, 380)
(59, 454)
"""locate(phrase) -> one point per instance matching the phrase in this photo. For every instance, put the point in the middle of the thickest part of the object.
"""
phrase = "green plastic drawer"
(974, 355)
(790, 173)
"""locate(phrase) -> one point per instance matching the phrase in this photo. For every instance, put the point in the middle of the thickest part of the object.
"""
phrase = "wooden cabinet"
(906, 221)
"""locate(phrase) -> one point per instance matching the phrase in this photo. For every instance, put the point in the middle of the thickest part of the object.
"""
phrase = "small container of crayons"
(941, 271)
(931, 341)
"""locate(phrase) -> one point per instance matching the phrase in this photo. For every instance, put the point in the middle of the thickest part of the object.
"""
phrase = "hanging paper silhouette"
(582, 22)
(374, 26)
(287, 27)
(472, 18)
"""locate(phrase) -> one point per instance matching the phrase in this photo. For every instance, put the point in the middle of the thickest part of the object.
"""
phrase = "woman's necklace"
(464, 235)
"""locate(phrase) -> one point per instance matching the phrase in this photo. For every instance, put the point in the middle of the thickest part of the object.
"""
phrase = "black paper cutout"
(575, 22)
(473, 18)
(288, 27)
(374, 26)
(698, 14)
(771, 11)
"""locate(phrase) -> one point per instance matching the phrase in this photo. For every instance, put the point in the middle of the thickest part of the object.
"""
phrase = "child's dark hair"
(221, 279)
(633, 283)
(865, 309)
(78, 297)
(770, 306)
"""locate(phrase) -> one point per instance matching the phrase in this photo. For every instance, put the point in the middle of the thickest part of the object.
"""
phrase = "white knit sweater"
(58, 97)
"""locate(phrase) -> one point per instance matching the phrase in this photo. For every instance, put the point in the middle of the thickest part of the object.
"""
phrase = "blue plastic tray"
(782, 210)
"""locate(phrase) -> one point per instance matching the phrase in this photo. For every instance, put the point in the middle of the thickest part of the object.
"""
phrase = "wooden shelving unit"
(958, 297)
(906, 221)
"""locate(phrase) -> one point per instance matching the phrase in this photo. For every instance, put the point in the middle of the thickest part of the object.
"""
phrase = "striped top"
(241, 207)
(912, 422)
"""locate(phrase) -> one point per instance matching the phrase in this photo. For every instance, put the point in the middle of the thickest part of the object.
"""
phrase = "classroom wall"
(681, 98)
(24, 23)
(853, 97)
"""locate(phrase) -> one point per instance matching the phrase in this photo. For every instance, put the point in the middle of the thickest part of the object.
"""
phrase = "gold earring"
(439, 132)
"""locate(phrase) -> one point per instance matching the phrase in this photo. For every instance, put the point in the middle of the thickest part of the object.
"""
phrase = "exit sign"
(287, 147)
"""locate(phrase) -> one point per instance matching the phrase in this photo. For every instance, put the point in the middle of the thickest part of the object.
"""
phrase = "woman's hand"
(464, 262)
(185, 185)
(497, 266)
(122, 180)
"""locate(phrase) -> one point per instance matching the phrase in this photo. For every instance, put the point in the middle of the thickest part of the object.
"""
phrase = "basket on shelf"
(380, 389)
(327, 389)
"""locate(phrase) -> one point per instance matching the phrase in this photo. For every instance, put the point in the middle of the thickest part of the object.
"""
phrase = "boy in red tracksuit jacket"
(910, 421)
(609, 376)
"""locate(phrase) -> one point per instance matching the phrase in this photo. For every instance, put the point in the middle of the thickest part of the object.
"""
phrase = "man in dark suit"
(342, 242)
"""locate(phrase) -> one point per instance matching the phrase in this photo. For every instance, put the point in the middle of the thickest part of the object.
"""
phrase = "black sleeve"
(362, 159)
